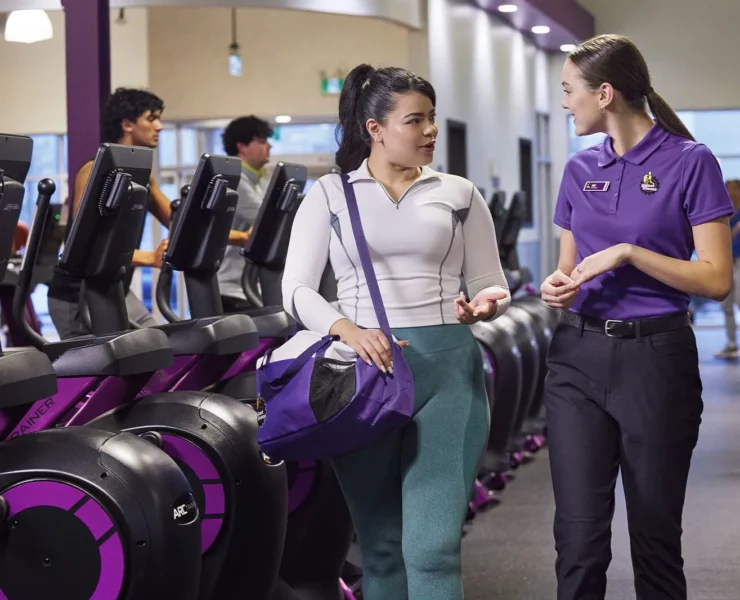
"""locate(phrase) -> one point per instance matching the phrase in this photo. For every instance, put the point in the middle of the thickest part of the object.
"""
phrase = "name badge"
(596, 186)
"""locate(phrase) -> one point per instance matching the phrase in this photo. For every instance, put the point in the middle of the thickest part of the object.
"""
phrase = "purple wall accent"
(87, 30)
(569, 14)
(569, 22)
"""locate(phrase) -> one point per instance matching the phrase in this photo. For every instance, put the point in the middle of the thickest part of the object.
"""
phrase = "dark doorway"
(457, 148)
(525, 179)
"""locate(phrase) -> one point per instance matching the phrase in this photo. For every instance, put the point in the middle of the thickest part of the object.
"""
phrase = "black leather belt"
(627, 329)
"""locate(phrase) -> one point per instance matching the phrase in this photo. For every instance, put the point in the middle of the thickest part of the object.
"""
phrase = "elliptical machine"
(50, 244)
(211, 437)
(319, 531)
(85, 513)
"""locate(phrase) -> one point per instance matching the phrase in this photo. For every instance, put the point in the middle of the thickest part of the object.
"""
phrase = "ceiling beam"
(568, 21)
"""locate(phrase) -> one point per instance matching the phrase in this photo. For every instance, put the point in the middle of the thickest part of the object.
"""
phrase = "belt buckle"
(606, 327)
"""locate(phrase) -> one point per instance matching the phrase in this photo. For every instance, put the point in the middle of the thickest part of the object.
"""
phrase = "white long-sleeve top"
(420, 246)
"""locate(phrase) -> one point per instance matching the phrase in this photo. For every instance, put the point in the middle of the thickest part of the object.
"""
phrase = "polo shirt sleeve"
(705, 196)
(563, 207)
(308, 251)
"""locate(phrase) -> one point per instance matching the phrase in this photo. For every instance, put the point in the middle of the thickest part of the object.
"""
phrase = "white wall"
(491, 78)
(558, 150)
(283, 51)
(34, 75)
(691, 47)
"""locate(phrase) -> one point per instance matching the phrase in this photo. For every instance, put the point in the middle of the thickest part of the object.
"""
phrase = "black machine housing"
(15, 160)
(26, 375)
(268, 246)
(45, 549)
(245, 556)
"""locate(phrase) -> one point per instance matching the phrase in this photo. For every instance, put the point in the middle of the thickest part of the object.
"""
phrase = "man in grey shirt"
(246, 138)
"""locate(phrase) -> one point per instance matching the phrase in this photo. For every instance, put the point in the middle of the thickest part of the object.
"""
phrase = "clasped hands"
(560, 290)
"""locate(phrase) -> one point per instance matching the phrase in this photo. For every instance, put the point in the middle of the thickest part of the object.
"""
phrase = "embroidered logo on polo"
(650, 184)
(596, 186)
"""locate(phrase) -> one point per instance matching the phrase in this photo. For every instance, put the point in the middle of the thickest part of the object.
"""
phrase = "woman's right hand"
(371, 345)
(559, 290)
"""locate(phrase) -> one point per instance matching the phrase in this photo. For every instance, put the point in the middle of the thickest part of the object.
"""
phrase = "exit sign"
(331, 85)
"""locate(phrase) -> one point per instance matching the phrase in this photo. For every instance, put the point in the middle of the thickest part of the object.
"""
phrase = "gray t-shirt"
(251, 192)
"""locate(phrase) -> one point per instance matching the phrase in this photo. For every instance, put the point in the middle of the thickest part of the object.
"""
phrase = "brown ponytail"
(616, 60)
(666, 116)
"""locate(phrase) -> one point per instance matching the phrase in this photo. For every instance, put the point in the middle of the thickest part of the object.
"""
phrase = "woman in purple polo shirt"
(624, 389)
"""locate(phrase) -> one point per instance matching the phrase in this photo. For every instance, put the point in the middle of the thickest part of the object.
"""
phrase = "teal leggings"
(408, 494)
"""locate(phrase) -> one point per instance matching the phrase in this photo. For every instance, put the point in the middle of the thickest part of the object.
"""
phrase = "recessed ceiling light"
(540, 29)
(508, 8)
(283, 119)
(568, 47)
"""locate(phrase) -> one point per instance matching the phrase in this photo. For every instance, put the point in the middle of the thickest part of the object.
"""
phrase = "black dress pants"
(633, 404)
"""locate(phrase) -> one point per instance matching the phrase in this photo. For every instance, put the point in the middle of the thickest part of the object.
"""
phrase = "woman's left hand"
(480, 308)
(601, 262)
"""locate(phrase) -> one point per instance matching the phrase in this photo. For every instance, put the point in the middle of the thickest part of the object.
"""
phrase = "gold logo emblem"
(650, 183)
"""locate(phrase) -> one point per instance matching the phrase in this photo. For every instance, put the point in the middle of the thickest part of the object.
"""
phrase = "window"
(49, 159)
(548, 259)
(304, 139)
(577, 143)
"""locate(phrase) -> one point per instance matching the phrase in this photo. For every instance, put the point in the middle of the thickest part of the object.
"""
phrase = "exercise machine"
(211, 437)
(49, 252)
(319, 529)
(85, 512)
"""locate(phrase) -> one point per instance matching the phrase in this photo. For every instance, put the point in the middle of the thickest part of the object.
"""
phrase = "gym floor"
(508, 552)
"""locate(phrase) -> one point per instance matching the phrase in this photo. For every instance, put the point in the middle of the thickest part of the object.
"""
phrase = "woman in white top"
(407, 494)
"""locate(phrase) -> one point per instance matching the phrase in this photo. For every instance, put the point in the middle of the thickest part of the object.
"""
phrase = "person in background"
(131, 117)
(623, 391)
(728, 304)
(248, 139)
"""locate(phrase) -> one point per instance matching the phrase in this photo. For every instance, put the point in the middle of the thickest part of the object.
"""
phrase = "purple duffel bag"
(319, 406)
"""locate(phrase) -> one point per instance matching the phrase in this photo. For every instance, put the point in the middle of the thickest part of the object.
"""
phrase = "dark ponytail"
(369, 93)
(351, 134)
(616, 60)
(666, 116)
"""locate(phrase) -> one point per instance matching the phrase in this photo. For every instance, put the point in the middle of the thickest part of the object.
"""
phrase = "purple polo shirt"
(650, 197)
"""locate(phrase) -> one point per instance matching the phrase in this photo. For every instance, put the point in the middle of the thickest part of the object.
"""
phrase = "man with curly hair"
(131, 117)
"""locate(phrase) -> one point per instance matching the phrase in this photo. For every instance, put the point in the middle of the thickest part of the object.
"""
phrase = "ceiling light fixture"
(508, 8)
(540, 29)
(567, 47)
(28, 26)
(283, 119)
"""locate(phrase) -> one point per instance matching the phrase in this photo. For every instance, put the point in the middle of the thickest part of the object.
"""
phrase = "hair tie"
(649, 91)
